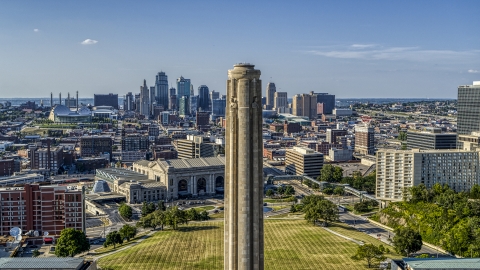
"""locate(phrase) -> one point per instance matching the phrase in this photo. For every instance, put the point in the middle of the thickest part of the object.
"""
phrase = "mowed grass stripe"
(289, 244)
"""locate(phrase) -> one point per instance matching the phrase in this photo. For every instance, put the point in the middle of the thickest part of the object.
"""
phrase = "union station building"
(184, 178)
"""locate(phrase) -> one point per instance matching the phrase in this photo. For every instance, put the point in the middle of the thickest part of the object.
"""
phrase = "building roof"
(443, 263)
(192, 162)
(40, 263)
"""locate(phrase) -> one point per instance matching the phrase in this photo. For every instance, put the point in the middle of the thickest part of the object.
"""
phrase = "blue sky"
(361, 49)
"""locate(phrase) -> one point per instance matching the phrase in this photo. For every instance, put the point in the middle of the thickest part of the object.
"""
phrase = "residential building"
(401, 169)
(280, 101)
(7, 167)
(303, 161)
(364, 140)
(46, 158)
(95, 145)
(106, 100)
(469, 141)
(195, 147)
(305, 105)
(335, 135)
(468, 108)
(134, 142)
(41, 208)
(430, 138)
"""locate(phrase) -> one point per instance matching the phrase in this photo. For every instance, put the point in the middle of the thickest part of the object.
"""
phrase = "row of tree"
(441, 216)
(287, 190)
(127, 232)
(171, 217)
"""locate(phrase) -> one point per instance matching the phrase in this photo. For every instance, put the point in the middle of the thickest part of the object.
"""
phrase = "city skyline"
(351, 50)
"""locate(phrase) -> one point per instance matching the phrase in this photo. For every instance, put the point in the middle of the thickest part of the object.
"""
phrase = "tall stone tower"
(243, 171)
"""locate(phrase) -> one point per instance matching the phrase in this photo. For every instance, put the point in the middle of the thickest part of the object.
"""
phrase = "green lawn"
(289, 244)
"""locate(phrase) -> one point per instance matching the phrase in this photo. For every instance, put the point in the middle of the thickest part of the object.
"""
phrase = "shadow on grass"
(196, 228)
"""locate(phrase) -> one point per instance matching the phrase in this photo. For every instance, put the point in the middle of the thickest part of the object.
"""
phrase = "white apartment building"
(401, 169)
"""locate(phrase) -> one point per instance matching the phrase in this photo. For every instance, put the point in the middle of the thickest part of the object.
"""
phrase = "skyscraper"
(364, 140)
(305, 105)
(328, 102)
(128, 102)
(161, 89)
(152, 99)
(280, 100)
(271, 89)
(184, 106)
(144, 99)
(203, 97)
(172, 101)
(468, 108)
(243, 170)
(183, 87)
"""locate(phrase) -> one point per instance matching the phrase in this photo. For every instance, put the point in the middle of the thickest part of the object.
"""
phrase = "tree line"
(441, 216)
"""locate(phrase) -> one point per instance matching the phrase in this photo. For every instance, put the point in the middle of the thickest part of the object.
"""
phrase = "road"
(362, 224)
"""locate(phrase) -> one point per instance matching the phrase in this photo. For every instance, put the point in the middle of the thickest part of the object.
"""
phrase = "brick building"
(95, 145)
(41, 208)
(7, 167)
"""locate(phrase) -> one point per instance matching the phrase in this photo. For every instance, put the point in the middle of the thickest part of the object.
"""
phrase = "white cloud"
(89, 42)
(36, 30)
(473, 71)
(376, 52)
(363, 46)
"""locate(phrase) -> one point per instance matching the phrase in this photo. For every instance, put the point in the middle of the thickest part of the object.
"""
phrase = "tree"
(175, 216)
(316, 208)
(161, 206)
(125, 211)
(147, 208)
(406, 241)
(289, 190)
(192, 214)
(128, 232)
(326, 173)
(369, 253)
(328, 191)
(113, 238)
(269, 193)
(204, 215)
(337, 174)
(35, 253)
(402, 136)
(338, 191)
(71, 242)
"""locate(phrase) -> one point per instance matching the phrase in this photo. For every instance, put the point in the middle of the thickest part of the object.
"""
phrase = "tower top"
(244, 65)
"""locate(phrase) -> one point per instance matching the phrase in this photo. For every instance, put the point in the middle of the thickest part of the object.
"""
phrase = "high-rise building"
(152, 99)
(172, 101)
(271, 89)
(213, 95)
(305, 105)
(161, 90)
(106, 100)
(303, 161)
(128, 102)
(328, 102)
(195, 147)
(244, 244)
(193, 104)
(183, 89)
(401, 169)
(137, 103)
(203, 98)
(218, 108)
(134, 142)
(431, 138)
(144, 99)
(280, 101)
(184, 106)
(42, 208)
(364, 140)
(334, 134)
(468, 108)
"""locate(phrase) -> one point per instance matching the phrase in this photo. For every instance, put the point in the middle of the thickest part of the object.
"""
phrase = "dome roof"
(61, 109)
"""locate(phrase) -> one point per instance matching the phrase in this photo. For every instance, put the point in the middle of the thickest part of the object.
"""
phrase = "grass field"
(289, 244)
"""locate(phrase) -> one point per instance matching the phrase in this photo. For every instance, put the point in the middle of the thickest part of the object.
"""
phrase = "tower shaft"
(244, 164)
